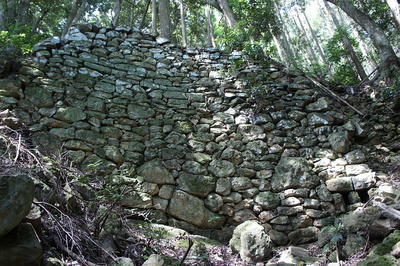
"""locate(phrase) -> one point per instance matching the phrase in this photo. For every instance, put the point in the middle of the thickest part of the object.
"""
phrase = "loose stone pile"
(208, 139)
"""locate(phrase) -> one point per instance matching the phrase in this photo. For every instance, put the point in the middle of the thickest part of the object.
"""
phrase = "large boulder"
(155, 172)
(21, 247)
(251, 241)
(192, 210)
(293, 172)
(16, 196)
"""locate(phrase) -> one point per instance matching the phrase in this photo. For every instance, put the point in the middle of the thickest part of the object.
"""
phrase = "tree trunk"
(45, 11)
(8, 13)
(283, 57)
(312, 57)
(116, 11)
(210, 30)
(287, 42)
(80, 12)
(144, 15)
(395, 9)
(2, 17)
(23, 8)
(154, 17)
(347, 44)
(315, 39)
(71, 16)
(224, 7)
(389, 63)
(183, 24)
(228, 13)
(165, 19)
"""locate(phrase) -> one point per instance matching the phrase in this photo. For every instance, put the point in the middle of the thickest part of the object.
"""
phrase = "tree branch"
(213, 3)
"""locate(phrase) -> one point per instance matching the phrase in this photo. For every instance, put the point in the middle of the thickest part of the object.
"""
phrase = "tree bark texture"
(347, 44)
(210, 30)
(388, 59)
(71, 16)
(312, 57)
(116, 11)
(224, 7)
(315, 39)
(395, 10)
(183, 23)
(154, 17)
(165, 19)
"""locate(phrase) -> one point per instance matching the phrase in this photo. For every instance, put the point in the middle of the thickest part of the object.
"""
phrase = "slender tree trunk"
(80, 12)
(309, 49)
(315, 39)
(165, 19)
(290, 52)
(395, 9)
(224, 7)
(388, 59)
(183, 24)
(23, 8)
(210, 30)
(2, 16)
(283, 57)
(144, 14)
(203, 27)
(71, 16)
(8, 12)
(347, 44)
(116, 11)
(228, 13)
(40, 18)
(368, 49)
(154, 17)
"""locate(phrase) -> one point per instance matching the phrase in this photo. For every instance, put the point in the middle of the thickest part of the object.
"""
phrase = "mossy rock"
(387, 244)
(376, 260)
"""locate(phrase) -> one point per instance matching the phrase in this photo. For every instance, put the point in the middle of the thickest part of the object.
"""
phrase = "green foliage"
(19, 38)
(338, 56)
(333, 233)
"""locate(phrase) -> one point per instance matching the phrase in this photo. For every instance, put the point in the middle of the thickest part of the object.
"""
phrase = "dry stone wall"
(207, 139)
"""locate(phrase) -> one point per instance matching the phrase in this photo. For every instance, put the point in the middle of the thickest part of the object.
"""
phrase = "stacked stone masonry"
(207, 139)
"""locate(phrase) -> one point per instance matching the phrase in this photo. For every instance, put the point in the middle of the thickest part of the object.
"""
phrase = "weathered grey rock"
(241, 183)
(354, 221)
(268, 200)
(122, 261)
(323, 193)
(94, 163)
(69, 114)
(214, 202)
(340, 184)
(16, 196)
(320, 119)
(199, 185)
(39, 97)
(21, 247)
(154, 260)
(155, 172)
(355, 157)
(223, 186)
(222, 168)
(242, 216)
(354, 244)
(251, 241)
(293, 172)
(304, 235)
(192, 210)
(340, 141)
(320, 105)
(137, 200)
